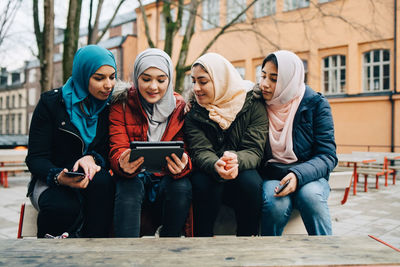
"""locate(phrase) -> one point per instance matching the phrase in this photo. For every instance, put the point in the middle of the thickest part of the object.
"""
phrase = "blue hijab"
(87, 61)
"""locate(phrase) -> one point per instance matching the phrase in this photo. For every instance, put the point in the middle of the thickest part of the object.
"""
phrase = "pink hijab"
(283, 106)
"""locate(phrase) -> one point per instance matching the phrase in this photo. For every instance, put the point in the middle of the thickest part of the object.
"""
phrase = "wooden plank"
(220, 251)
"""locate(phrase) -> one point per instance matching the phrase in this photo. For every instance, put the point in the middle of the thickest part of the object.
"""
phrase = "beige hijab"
(230, 89)
(283, 106)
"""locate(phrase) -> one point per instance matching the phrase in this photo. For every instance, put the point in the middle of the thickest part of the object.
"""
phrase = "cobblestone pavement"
(376, 212)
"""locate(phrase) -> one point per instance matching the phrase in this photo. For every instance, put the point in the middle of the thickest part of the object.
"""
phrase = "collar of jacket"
(63, 119)
(309, 100)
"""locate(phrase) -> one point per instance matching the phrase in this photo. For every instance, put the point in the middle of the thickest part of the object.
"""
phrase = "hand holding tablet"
(154, 153)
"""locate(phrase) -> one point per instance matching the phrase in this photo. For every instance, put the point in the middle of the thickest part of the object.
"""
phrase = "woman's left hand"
(176, 165)
(88, 165)
(290, 188)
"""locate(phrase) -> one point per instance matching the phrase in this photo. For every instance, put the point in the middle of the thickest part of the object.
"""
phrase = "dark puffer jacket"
(313, 139)
(246, 136)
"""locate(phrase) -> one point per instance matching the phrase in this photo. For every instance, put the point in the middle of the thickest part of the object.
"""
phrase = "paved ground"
(376, 212)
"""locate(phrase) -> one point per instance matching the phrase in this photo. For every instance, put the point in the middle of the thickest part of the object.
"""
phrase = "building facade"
(349, 49)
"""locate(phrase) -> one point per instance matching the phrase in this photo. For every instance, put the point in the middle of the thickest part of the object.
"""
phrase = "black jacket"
(55, 143)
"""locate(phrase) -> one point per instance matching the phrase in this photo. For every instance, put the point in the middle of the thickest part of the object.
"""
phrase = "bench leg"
(5, 181)
(365, 182)
(394, 177)
(386, 178)
(377, 182)
(21, 219)
(346, 195)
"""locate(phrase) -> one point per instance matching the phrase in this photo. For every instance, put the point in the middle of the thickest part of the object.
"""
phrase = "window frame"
(334, 75)
(381, 63)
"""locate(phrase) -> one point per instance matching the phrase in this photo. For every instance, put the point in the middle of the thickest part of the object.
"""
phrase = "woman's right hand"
(227, 174)
(74, 182)
(129, 167)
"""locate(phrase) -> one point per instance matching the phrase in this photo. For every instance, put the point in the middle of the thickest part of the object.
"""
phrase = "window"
(1, 124)
(187, 86)
(32, 75)
(12, 123)
(20, 98)
(334, 74)
(19, 125)
(376, 70)
(264, 8)
(127, 28)
(15, 77)
(185, 19)
(7, 126)
(162, 24)
(13, 101)
(233, 8)
(1, 102)
(7, 102)
(295, 4)
(32, 96)
(210, 14)
(258, 73)
(241, 71)
(305, 63)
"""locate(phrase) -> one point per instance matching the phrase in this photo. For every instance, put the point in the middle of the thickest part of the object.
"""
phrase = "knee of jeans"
(311, 196)
(181, 188)
(129, 189)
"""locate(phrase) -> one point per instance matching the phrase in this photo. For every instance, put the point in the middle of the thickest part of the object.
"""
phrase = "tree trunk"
(45, 42)
(94, 31)
(181, 67)
(71, 37)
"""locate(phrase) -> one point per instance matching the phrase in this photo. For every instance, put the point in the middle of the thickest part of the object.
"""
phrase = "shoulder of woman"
(120, 92)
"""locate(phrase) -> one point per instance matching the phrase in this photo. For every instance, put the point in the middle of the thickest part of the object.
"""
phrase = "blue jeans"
(311, 200)
(172, 200)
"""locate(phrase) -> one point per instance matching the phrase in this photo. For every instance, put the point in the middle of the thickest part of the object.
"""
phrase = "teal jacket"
(246, 136)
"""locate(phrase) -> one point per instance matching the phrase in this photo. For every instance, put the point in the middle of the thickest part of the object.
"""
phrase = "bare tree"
(7, 17)
(172, 26)
(71, 36)
(93, 30)
(45, 42)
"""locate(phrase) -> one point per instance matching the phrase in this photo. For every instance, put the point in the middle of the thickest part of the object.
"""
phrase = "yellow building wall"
(345, 27)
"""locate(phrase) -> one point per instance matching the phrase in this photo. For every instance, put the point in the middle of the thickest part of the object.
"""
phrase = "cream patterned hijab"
(230, 89)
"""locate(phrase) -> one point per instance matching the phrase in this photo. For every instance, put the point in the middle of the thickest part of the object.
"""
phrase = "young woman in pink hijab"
(301, 150)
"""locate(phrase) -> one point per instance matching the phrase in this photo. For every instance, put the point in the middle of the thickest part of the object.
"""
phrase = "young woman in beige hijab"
(226, 132)
(302, 149)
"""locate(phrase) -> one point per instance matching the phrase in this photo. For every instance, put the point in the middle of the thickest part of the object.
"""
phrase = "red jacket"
(128, 118)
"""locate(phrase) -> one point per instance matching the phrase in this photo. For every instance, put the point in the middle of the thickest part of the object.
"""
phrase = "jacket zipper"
(83, 144)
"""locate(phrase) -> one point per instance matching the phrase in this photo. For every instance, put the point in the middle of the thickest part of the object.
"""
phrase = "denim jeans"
(311, 200)
(243, 194)
(173, 199)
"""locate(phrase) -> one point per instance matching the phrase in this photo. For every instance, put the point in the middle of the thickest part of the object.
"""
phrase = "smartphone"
(74, 174)
(281, 187)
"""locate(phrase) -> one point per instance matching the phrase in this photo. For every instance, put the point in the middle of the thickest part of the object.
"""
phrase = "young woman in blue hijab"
(69, 132)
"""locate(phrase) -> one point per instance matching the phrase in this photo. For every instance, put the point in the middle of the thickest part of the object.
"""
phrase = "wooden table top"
(294, 250)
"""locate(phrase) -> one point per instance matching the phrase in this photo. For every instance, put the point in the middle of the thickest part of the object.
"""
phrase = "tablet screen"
(154, 153)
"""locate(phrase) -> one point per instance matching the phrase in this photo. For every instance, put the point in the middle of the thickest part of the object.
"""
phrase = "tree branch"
(146, 25)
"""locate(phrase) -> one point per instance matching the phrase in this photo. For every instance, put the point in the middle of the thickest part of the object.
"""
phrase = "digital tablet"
(154, 153)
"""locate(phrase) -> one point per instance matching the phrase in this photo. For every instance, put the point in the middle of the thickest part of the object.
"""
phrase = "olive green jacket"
(246, 136)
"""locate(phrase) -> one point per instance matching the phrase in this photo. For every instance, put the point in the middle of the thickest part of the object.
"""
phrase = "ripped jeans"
(311, 200)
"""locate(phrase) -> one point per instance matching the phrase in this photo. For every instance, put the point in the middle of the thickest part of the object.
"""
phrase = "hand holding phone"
(280, 188)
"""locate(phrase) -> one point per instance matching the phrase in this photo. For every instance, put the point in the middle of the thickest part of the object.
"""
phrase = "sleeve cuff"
(50, 176)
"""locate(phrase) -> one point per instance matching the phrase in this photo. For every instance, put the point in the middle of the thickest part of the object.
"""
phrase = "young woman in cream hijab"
(302, 148)
(226, 133)
(150, 110)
